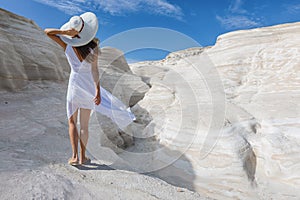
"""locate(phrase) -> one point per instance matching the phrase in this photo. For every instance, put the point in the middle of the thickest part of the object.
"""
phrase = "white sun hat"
(87, 26)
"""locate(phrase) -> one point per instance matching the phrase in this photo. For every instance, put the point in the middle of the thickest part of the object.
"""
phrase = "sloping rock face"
(27, 53)
(260, 71)
(254, 153)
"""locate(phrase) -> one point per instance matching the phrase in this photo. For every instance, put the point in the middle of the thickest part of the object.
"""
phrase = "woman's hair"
(85, 50)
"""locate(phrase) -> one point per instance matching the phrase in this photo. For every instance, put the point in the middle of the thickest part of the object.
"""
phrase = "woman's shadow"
(94, 166)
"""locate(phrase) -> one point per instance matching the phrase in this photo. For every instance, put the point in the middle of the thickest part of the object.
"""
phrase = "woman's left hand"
(97, 99)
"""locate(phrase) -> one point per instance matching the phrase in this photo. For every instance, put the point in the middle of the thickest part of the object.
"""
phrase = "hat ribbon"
(77, 36)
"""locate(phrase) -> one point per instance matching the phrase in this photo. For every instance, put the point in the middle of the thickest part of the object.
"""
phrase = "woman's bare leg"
(73, 137)
(84, 132)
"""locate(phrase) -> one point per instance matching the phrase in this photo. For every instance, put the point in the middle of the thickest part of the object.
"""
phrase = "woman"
(77, 38)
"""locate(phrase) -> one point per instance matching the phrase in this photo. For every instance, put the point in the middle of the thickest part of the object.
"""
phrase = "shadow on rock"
(94, 166)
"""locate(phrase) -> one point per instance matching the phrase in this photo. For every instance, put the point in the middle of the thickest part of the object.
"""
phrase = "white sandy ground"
(34, 147)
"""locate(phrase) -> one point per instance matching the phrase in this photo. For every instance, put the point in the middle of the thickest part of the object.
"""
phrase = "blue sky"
(202, 20)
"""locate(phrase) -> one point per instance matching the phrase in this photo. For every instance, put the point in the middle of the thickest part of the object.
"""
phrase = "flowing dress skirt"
(82, 91)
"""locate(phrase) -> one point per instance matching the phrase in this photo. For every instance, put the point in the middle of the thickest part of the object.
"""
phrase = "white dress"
(81, 92)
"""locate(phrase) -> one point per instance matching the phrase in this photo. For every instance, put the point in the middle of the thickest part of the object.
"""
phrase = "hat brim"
(86, 35)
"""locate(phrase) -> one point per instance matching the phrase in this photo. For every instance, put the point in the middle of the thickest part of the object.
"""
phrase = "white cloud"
(117, 7)
(162, 7)
(236, 7)
(236, 17)
(234, 22)
(68, 7)
(293, 9)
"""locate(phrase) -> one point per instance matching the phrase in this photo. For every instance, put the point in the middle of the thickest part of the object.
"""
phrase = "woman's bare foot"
(73, 161)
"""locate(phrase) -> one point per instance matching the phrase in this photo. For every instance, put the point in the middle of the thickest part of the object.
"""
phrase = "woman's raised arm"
(52, 33)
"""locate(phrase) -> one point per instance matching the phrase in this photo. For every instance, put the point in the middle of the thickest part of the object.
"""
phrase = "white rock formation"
(27, 53)
(256, 156)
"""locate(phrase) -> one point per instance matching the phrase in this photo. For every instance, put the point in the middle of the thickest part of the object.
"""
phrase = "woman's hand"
(52, 33)
(97, 99)
(71, 32)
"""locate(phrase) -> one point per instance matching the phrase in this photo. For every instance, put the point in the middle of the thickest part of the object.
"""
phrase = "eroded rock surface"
(27, 53)
(254, 154)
